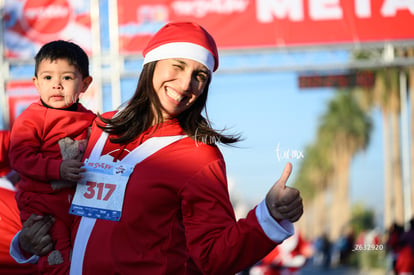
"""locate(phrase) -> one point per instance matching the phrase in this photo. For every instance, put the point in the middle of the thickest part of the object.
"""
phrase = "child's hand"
(70, 170)
(284, 202)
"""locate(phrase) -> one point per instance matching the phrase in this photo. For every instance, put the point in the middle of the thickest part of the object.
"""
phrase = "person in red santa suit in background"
(10, 222)
(404, 264)
(175, 216)
(285, 259)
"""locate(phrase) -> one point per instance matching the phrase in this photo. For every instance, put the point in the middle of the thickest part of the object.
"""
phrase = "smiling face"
(178, 82)
(59, 83)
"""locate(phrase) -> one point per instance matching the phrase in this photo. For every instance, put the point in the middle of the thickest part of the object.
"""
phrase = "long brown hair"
(138, 115)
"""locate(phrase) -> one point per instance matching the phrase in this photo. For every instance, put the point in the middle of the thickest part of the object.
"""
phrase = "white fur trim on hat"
(181, 50)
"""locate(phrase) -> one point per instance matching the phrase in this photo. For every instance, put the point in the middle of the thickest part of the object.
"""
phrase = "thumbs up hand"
(284, 203)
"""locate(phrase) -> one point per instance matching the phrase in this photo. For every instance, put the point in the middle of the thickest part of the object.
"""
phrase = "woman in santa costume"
(170, 213)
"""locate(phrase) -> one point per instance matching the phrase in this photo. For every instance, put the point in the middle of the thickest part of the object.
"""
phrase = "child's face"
(59, 83)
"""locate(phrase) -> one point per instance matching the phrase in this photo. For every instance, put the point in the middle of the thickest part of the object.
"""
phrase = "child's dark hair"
(61, 49)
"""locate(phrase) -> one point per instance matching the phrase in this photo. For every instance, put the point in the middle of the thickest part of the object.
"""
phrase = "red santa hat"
(183, 40)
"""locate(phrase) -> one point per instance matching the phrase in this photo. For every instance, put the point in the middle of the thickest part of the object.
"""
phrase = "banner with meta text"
(237, 24)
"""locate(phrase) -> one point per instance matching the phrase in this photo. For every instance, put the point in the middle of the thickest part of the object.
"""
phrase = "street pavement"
(341, 270)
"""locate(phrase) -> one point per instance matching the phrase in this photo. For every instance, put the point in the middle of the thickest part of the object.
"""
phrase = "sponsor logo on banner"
(149, 19)
(31, 23)
(44, 18)
(201, 8)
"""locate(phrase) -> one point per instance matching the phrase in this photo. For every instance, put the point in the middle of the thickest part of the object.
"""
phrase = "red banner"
(30, 24)
(270, 23)
(20, 95)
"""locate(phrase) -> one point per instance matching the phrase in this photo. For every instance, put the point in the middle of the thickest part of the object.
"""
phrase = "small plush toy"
(70, 149)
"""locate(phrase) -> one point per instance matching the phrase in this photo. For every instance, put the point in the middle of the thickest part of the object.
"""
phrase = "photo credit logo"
(283, 154)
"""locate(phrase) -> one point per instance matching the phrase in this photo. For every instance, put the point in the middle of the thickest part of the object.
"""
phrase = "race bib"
(100, 193)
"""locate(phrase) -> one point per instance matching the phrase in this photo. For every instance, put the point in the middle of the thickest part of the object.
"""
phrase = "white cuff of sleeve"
(6, 184)
(276, 231)
(17, 254)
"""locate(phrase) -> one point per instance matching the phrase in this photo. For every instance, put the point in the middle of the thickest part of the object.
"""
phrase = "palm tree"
(347, 128)
(385, 95)
(379, 96)
(392, 84)
(324, 172)
(313, 178)
(368, 99)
